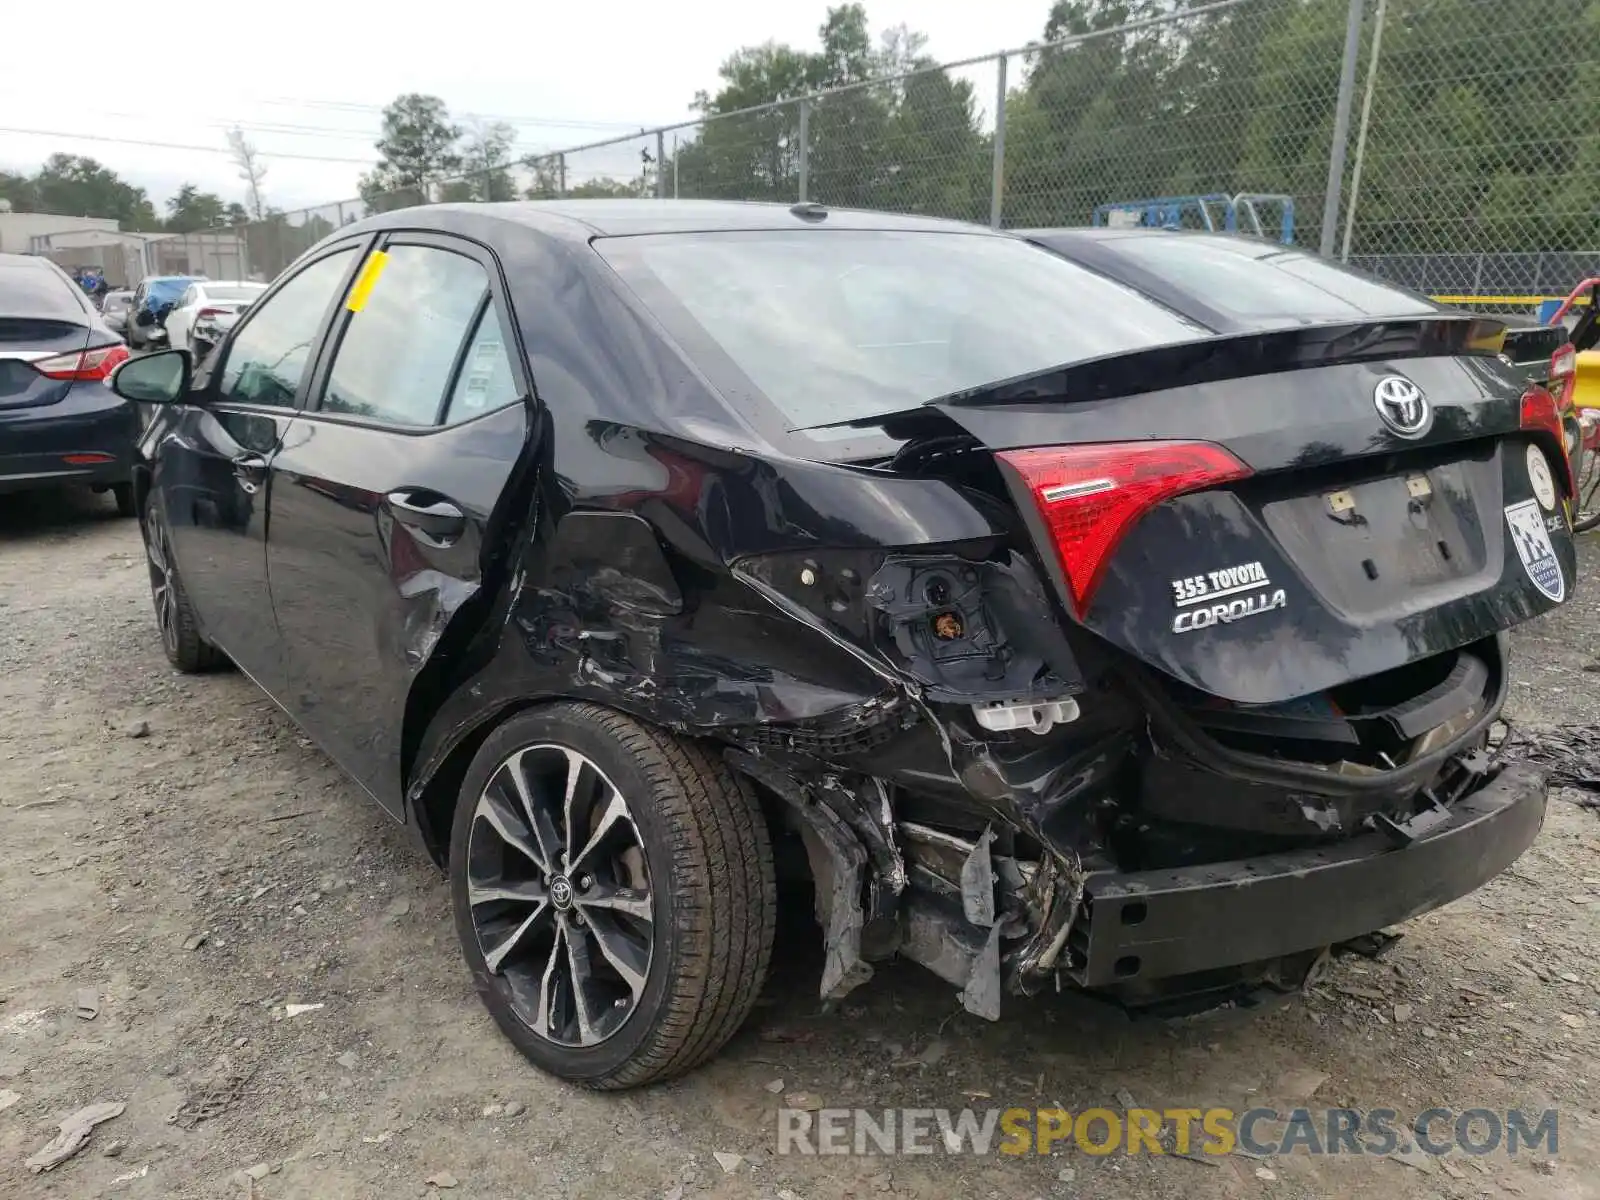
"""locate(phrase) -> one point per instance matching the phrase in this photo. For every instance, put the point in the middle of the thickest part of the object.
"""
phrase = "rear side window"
(486, 381)
(38, 291)
(402, 344)
(268, 355)
(1260, 284)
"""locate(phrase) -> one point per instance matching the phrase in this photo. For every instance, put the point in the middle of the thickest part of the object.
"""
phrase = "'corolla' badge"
(1402, 406)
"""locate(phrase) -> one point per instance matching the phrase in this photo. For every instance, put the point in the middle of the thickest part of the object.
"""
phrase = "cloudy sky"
(306, 78)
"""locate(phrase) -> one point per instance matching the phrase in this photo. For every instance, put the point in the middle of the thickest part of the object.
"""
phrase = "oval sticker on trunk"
(1534, 548)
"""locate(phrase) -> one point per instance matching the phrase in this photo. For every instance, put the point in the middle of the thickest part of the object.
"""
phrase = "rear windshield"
(840, 325)
(221, 292)
(32, 291)
(1258, 283)
(117, 300)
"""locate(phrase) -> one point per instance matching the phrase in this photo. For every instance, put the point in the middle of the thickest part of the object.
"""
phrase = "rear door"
(382, 492)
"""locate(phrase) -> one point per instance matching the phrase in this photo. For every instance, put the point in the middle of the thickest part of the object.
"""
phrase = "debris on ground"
(1569, 753)
(214, 1097)
(347, 1060)
(515, 1108)
(294, 1010)
(8, 1098)
(88, 1004)
(775, 1086)
(136, 729)
(73, 1136)
(442, 1179)
(804, 1100)
(250, 1176)
(194, 942)
(115, 1148)
(728, 1162)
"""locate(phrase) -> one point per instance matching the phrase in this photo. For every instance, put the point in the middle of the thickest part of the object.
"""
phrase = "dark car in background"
(59, 422)
(1070, 632)
(114, 310)
(152, 300)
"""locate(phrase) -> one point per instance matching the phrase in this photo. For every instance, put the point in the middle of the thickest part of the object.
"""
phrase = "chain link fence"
(1451, 145)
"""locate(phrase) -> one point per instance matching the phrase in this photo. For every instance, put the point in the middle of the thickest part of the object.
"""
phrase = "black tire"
(180, 632)
(123, 493)
(711, 889)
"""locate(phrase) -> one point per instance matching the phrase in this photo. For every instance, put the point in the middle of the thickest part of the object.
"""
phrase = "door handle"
(432, 516)
(249, 469)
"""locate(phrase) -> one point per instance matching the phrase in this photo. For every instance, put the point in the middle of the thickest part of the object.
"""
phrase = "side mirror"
(159, 378)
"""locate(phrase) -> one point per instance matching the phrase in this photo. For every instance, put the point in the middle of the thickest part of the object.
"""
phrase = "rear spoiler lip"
(1218, 358)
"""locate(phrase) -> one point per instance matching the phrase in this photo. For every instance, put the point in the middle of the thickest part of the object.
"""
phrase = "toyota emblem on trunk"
(1402, 406)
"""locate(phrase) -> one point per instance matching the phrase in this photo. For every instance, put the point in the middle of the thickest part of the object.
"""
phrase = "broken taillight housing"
(1090, 496)
(83, 365)
(1541, 414)
(1564, 375)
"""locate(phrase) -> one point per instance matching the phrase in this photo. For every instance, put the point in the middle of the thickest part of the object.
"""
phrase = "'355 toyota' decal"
(1224, 596)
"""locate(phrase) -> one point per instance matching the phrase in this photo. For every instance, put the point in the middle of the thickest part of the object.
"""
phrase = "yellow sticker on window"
(370, 270)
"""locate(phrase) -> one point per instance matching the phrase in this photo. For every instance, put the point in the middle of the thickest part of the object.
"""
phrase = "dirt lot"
(120, 853)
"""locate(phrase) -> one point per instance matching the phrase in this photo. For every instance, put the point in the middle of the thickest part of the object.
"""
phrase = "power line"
(95, 137)
(553, 122)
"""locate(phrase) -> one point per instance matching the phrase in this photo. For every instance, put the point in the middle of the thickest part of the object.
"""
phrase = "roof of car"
(32, 261)
(580, 220)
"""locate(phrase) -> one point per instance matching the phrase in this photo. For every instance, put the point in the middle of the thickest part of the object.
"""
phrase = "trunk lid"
(25, 341)
(1351, 545)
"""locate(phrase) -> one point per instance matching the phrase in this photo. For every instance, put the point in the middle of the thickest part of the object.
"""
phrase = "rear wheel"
(180, 632)
(614, 895)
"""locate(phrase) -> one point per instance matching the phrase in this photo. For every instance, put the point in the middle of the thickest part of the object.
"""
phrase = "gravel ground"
(200, 876)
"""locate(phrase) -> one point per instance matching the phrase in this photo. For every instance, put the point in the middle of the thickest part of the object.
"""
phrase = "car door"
(383, 488)
(212, 467)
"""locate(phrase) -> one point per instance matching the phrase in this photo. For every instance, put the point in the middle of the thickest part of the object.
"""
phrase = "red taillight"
(1090, 496)
(86, 460)
(86, 365)
(209, 312)
(1564, 375)
(1540, 414)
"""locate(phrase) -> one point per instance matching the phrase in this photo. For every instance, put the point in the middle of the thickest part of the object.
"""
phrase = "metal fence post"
(561, 176)
(998, 179)
(661, 165)
(1361, 134)
(805, 147)
(1341, 127)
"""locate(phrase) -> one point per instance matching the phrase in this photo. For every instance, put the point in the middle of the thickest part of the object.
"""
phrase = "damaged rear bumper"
(1140, 926)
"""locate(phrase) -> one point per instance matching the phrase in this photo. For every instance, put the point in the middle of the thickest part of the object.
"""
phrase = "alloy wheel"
(559, 894)
(163, 588)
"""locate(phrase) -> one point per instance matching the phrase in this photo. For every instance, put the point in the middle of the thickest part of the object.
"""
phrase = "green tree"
(486, 160)
(74, 185)
(17, 190)
(190, 210)
(417, 148)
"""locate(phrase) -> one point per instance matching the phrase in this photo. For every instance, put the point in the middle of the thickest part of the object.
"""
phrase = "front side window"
(839, 325)
(398, 351)
(268, 356)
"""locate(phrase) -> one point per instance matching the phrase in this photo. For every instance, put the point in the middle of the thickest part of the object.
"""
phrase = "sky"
(306, 79)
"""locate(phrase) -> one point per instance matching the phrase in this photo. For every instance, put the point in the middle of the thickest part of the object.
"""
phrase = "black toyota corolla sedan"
(1072, 634)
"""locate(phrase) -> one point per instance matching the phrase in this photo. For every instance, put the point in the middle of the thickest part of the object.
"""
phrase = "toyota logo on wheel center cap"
(560, 892)
(1402, 406)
